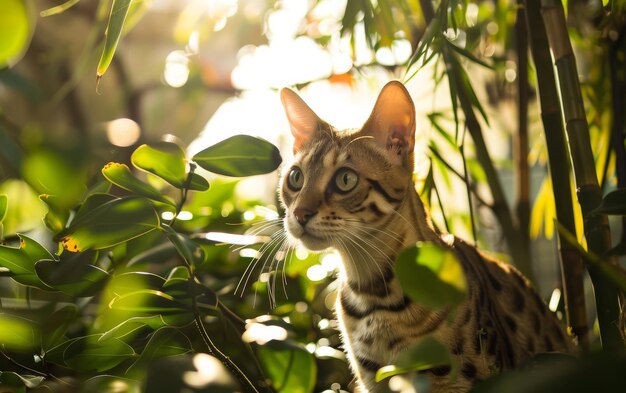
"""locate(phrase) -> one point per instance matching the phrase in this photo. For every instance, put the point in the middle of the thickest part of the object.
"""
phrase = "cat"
(353, 191)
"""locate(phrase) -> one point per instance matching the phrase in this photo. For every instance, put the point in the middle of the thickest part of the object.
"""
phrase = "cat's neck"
(370, 260)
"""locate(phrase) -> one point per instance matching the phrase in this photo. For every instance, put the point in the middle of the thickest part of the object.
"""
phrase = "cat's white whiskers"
(357, 240)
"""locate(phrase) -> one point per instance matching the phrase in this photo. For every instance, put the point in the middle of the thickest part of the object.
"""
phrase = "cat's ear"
(304, 123)
(392, 122)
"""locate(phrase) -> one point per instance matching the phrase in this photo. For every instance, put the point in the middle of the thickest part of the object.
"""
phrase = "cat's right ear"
(304, 123)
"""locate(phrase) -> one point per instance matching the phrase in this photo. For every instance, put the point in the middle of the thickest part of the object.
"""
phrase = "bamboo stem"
(560, 169)
(597, 230)
(520, 151)
(500, 207)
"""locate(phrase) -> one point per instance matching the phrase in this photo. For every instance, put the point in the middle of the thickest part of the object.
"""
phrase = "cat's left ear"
(304, 123)
(392, 122)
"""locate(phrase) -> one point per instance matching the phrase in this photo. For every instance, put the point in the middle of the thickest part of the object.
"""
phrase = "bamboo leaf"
(58, 9)
(117, 17)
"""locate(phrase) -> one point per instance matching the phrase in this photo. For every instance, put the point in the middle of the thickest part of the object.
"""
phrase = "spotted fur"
(353, 191)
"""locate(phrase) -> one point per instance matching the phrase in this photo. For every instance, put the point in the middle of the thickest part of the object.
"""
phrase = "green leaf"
(18, 333)
(15, 380)
(120, 175)
(188, 250)
(59, 8)
(613, 203)
(431, 276)
(147, 301)
(133, 325)
(57, 216)
(290, 370)
(165, 342)
(240, 155)
(21, 261)
(57, 173)
(73, 275)
(425, 354)
(164, 159)
(108, 224)
(119, 10)
(15, 31)
(4, 202)
(90, 354)
(55, 326)
(110, 384)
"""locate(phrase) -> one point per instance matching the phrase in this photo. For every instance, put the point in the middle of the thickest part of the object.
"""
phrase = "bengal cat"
(353, 191)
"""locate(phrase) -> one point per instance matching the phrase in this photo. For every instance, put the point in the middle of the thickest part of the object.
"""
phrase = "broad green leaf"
(57, 173)
(106, 225)
(90, 354)
(15, 380)
(21, 261)
(73, 275)
(4, 202)
(240, 155)
(18, 333)
(111, 384)
(431, 276)
(290, 370)
(57, 216)
(148, 301)
(165, 342)
(188, 250)
(120, 175)
(134, 281)
(425, 354)
(119, 10)
(613, 203)
(132, 326)
(164, 159)
(25, 210)
(15, 30)
(55, 326)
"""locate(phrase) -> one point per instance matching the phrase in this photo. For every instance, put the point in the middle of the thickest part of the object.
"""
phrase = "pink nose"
(303, 215)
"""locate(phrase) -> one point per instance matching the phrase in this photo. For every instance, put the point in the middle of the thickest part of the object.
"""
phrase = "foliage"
(115, 277)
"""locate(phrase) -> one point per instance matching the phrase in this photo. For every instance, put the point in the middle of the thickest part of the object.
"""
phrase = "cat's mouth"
(309, 237)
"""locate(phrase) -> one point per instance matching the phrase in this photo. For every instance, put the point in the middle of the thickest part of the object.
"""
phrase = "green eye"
(346, 179)
(295, 179)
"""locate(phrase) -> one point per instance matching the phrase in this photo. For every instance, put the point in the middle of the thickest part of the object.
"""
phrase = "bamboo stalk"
(560, 169)
(597, 230)
(500, 207)
(520, 149)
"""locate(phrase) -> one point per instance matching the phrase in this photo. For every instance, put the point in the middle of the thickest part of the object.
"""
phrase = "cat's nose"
(303, 215)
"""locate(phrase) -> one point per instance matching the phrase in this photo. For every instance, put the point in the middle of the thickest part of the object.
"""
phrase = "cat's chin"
(313, 243)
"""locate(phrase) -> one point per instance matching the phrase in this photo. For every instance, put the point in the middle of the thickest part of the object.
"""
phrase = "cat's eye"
(295, 179)
(346, 179)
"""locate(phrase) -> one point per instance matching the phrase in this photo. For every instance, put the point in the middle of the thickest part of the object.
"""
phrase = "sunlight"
(123, 132)
(230, 238)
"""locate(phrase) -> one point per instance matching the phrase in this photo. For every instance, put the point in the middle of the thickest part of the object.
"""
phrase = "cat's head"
(343, 182)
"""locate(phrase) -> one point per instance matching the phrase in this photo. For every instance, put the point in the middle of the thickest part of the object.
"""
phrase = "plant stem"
(560, 170)
(520, 149)
(597, 230)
